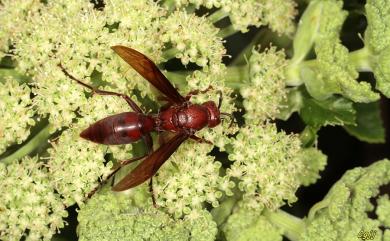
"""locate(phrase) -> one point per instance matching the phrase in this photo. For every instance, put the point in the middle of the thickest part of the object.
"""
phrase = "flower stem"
(262, 38)
(291, 225)
(226, 32)
(170, 53)
(224, 210)
(30, 146)
(178, 78)
(309, 136)
(237, 76)
(217, 15)
(293, 75)
(362, 59)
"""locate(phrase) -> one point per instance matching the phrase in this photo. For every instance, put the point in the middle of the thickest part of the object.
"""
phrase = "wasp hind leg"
(200, 140)
(115, 169)
(94, 90)
(196, 92)
(152, 192)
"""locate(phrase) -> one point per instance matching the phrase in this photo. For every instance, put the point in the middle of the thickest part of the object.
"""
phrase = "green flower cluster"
(244, 225)
(343, 213)
(116, 217)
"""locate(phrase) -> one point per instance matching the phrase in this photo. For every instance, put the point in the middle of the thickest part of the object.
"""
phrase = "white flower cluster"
(190, 178)
(14, 101)
(30, 209)
(75, 166)
(39, 51)
(195, 39)
(278, 14)
(267, 164)
(13, 20)
(80, 37)
(266, 91)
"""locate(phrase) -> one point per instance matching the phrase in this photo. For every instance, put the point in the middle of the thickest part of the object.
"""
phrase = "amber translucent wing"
(151, 164)
(145, 67)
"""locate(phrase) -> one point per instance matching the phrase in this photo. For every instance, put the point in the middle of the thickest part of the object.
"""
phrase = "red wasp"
(178, 116)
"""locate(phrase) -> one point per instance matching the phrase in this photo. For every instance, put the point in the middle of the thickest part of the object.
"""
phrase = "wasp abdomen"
(118, 129)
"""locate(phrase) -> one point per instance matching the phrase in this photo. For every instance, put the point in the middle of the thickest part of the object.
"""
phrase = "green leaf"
(332, 111)
(369, 126)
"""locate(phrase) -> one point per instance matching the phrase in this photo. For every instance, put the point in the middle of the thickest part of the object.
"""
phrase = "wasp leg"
(196, 92)
(200, 140)
(115, 169)
(152, 193)
(94, 90)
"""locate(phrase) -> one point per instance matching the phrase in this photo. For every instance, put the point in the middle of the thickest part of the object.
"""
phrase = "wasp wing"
(145, 67)
(151, 164)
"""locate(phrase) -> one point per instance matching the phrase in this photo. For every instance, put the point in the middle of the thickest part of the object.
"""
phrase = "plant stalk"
(362, 59)
(292, 226)
(226, 32)
(30, 146)
(217, 15)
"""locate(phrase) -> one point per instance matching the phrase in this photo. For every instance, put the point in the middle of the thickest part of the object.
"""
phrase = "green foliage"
(337, 75)
(344, 211)
(244, 225)
(383, 210)
(331, 72)
(332, 111)
(377, 35)
(382, 71)
(377, 41)
(369, 126)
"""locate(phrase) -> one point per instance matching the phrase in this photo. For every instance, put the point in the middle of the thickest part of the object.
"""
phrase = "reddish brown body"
(179, 116)
(128, 127)
(189, 117)
(119, 129)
